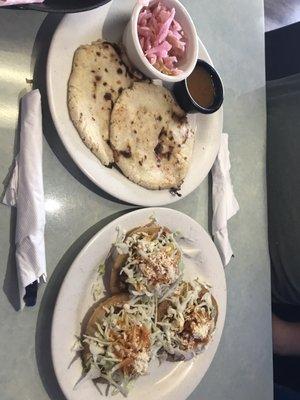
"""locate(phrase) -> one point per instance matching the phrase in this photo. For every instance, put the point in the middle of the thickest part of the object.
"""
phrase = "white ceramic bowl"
(139, 60)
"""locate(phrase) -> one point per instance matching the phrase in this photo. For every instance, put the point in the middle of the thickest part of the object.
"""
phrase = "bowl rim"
(153, 70)
(213, 71)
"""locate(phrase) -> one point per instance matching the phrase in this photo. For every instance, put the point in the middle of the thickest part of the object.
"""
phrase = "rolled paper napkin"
(224, 202)
(4, 3)
(25, 191)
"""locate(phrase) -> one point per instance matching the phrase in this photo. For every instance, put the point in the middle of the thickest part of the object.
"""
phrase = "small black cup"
(185, 100)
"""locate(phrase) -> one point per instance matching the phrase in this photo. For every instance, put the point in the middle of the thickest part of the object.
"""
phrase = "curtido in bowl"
(161, 40)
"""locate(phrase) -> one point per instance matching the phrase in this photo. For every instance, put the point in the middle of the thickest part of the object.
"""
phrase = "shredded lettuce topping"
(187, 318)
(153, 262)
(165, 314)
(97, 287)
(123, 344)
(129, 336)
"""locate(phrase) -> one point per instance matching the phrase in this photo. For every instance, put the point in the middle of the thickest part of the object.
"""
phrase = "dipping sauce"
(201, 87)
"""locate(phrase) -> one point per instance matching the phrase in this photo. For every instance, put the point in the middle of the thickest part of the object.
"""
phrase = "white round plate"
(168, 381)
(108, 22)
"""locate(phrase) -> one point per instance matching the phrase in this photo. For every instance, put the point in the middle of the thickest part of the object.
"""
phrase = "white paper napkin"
(26, 192)
(15, 2)
(224, 202)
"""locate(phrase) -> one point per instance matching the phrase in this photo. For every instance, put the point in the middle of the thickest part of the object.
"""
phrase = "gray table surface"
(233, 31)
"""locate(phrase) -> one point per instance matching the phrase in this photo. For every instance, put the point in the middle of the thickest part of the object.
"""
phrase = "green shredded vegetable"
(161, 252)
(101, 269)
(118, 350)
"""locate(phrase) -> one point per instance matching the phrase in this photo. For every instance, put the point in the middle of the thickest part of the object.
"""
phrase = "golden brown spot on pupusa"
(162, 133)
(126, 153)
(115, 154)
(179, 119)
(158, 149)
(107, 96)
(105, 69)
(98, 78)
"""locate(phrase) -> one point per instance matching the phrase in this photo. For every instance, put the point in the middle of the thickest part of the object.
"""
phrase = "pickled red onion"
(161, 37)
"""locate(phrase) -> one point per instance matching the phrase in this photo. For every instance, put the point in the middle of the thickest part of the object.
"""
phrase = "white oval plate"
(169, 381)
(82, 28)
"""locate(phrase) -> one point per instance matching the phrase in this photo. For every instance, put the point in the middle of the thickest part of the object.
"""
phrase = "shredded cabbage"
(153, 264)
(77, 345)
(124, 343)
(129, 336)
(97, 287)
(190, 318)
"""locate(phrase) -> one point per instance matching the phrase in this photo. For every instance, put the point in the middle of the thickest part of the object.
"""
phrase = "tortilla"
(97, 316)
(151, 137)
(98, 77)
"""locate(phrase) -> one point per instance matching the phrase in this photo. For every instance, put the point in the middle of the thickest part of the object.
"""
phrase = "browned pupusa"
(151, 136)
(97, 79)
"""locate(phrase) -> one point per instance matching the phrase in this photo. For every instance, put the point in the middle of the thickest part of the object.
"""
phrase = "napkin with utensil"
(224, 202)
(25, 191)
(17, 2)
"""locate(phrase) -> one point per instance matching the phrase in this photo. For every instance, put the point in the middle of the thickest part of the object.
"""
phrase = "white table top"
(233, 32)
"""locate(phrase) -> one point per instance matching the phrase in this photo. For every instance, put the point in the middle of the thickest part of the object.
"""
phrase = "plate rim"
(154, 202)
(48, 9)
(91, 241)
